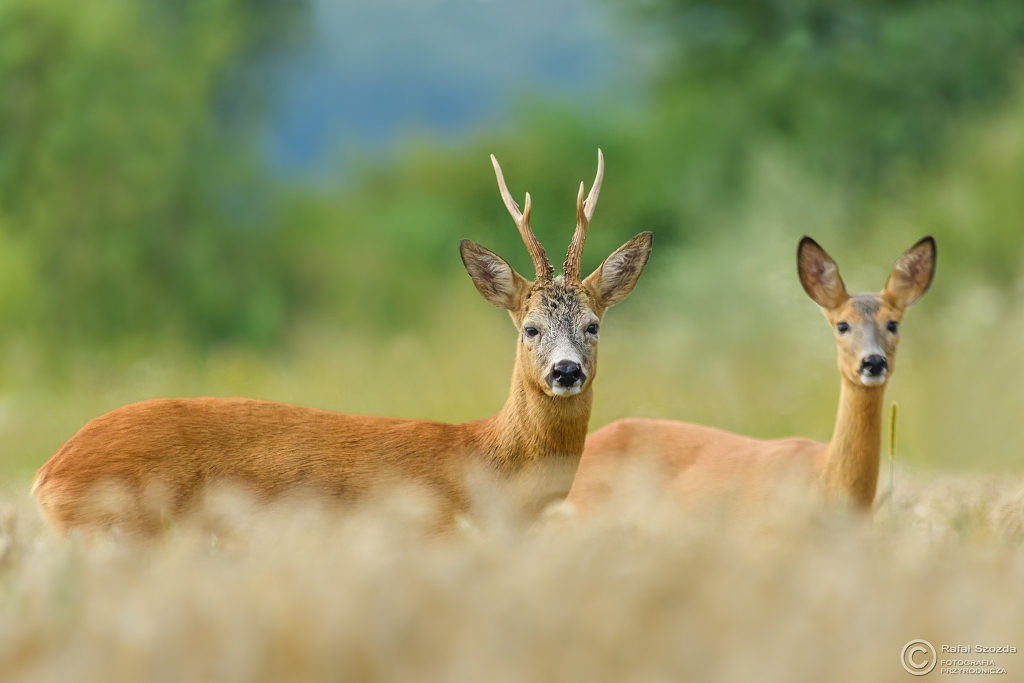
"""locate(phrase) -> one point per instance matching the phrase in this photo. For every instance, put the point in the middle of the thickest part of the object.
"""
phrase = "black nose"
(874, 365)
(566, 373)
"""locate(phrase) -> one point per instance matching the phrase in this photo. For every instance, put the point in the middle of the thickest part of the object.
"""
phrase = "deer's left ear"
(912, 275)
(615, 278)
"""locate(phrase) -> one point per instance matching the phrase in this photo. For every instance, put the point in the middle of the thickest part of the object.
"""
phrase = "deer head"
(558, 317)
(866, 325)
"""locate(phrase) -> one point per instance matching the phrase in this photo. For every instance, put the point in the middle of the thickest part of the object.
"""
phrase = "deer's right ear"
(493, 276)
(819, 275)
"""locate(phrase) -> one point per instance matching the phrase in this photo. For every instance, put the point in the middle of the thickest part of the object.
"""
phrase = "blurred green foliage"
(867, 98)
(130, 201)
(134, 204)
(855, 85)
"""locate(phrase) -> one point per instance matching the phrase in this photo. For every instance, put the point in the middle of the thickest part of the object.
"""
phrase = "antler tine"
(595, 190)
(522, 219)
(584, 212)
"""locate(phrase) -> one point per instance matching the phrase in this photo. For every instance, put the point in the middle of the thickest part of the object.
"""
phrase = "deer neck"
(852, 457)
(534, 427)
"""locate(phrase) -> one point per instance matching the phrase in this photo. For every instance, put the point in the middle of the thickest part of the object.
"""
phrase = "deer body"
(171, 450)
(699, 460)
(271, 448)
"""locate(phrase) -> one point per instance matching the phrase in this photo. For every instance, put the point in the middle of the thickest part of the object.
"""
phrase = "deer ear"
(493, 276)
(912, 275)
(819, 275)
(615, 278)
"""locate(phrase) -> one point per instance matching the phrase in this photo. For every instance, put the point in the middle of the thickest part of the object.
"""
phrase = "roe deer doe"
(701, 460)
(178, 447)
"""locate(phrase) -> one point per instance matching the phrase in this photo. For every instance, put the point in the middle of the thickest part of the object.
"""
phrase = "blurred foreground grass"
(652, 591)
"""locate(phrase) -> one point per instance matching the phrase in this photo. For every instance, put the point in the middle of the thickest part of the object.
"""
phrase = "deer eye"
(842, 328)
(530, 332)
(893, 326)
(592, 329)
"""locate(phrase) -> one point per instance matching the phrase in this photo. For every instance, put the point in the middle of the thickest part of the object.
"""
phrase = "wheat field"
(648, 590)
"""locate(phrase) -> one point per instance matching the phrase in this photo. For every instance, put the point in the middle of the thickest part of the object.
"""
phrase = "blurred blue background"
(372, 74)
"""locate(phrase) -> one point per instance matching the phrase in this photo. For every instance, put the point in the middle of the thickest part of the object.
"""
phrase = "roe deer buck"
(181, 445)
(702, 459)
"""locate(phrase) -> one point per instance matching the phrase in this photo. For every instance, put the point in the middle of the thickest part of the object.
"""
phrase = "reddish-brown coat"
(180, 446)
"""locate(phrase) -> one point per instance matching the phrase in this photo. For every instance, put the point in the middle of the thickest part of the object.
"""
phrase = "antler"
(584, 212)
(522, 219)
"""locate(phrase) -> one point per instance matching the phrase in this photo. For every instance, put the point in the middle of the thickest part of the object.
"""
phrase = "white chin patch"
(873, 380)
(566, 391)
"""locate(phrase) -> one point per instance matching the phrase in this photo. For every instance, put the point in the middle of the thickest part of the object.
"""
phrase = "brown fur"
(179, 446)
(157, 457)
(701, 460)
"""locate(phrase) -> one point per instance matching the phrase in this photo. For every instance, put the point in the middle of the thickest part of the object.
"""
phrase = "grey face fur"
(560, 330)
(558, 320)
